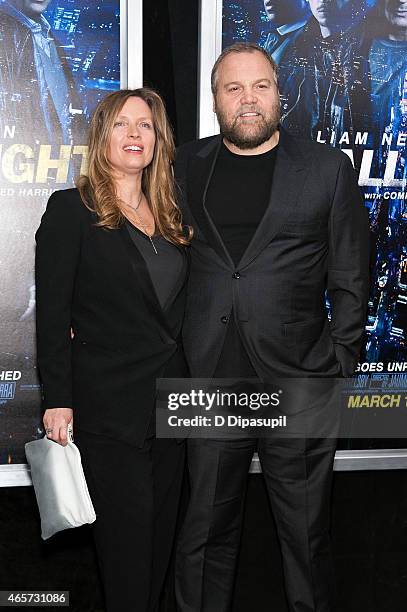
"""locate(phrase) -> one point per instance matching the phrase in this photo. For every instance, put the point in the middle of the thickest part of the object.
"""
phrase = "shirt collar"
(291, 27)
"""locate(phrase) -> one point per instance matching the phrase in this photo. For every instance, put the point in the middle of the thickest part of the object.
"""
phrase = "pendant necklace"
(141, 222)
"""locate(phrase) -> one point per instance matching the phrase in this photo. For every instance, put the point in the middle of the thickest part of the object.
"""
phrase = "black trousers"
(298, 476)
(135, 492)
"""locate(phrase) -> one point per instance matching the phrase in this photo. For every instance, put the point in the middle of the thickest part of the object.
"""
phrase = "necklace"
(138, 203)
(145, 229)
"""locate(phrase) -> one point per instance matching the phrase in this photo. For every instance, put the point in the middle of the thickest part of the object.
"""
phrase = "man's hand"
(56, 421)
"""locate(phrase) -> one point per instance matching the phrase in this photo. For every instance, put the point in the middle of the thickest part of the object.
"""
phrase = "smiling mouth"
(252, 114)
(133, 148)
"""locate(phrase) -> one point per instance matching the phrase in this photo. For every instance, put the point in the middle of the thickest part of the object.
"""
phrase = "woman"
(111, 267)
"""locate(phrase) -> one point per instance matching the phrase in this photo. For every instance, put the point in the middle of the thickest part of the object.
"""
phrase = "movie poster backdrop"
(58, 58)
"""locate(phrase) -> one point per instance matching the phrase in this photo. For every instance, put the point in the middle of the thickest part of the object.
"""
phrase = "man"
(277, 222)
(288, 18)
(36, 87)
(323, 75)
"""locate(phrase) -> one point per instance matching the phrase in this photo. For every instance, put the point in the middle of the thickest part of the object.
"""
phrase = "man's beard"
(244, 136)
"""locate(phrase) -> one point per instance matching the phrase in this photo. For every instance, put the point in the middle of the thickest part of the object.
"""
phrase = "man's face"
(396, 12)
(285, 11)
(326, 12)
(247, 102)
(32, 8)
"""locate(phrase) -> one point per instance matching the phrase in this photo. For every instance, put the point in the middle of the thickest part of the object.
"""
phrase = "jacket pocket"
(301, 332)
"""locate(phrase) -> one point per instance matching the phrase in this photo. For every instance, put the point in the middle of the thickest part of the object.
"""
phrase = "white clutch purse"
(60, 486)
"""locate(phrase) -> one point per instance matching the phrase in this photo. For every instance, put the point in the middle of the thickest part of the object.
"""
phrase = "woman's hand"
(56, 421)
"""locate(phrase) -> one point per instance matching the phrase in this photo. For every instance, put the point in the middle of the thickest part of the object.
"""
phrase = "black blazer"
(95, 282)
(313, 237)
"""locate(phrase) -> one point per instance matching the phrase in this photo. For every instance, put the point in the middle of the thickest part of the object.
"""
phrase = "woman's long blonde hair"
(97, 188)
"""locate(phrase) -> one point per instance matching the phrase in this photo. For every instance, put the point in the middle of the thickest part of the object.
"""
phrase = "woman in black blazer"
(111, 266)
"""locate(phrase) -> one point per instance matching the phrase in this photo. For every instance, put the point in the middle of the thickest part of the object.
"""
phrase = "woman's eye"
(119, 123)
(146, 125)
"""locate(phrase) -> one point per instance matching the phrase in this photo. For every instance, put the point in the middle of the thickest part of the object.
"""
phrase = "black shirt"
(236, 200)
(164, 268)
(238, 195)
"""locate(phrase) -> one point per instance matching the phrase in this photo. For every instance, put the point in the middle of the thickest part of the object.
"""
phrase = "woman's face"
(132, 140)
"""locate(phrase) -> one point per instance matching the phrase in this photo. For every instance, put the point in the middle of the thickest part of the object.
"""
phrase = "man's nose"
(248, 96)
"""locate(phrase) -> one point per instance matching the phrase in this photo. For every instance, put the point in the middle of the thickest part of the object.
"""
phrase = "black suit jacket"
(96, 282)
(313, 237)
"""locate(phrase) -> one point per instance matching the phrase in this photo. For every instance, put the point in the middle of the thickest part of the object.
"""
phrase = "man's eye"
(234, 88)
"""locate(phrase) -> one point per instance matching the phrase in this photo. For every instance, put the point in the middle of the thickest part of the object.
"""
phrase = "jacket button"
(236, 275)
(224, 319)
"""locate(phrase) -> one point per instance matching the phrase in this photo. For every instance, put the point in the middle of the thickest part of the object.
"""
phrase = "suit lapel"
(288, 180)
(199, 175)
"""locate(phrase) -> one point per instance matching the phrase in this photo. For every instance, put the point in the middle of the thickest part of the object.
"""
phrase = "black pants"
(298, 476)
(135, 492)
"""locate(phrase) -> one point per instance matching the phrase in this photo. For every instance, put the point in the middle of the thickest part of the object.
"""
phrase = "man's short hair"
(240, 47)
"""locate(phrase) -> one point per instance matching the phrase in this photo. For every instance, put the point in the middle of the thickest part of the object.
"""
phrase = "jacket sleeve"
(348, 267)
(57, 256)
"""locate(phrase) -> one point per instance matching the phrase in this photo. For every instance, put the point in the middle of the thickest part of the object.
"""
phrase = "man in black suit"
(278, 221)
